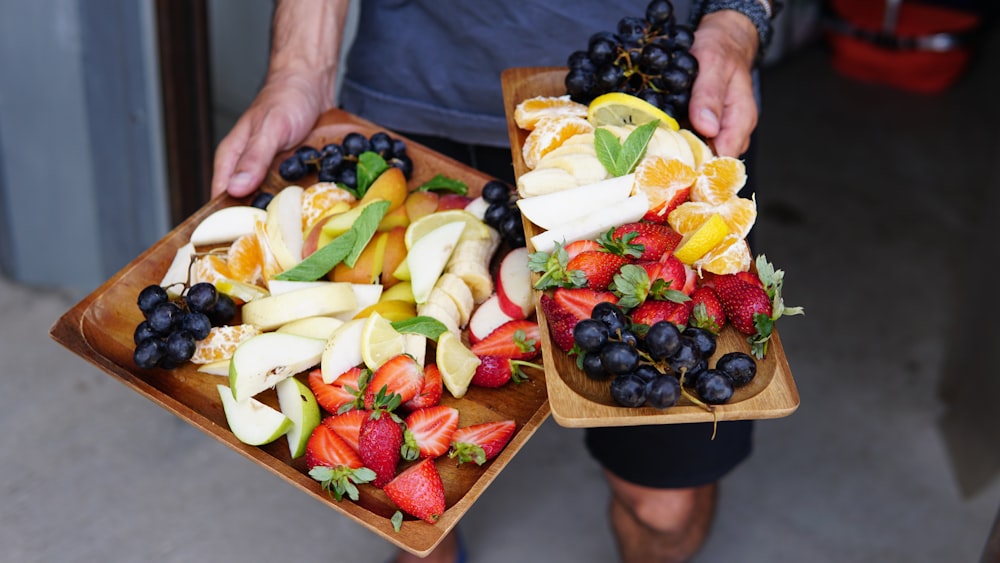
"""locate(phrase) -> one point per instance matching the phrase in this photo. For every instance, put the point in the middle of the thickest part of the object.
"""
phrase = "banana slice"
(435, 310)
(455, 288)
(584, 167)
(476, 276)
(544, 181)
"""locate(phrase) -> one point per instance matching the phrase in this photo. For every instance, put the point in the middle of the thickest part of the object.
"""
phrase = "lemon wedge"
(697, 243)
(380, 341)
(456, 363)
(619, 108)
(474, 228)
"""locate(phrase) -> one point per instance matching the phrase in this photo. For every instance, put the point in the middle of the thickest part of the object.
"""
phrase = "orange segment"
(268, 260)
(210, 268)
(221, 342)
(530, 111)
(719, 179)
(730, 256)
(245, 262)
(322, 199)
(739, 214)
(549, 133)
(665, 181)
(689, 216)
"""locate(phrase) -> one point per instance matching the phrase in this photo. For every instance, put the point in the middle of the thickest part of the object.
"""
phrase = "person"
(430, 71)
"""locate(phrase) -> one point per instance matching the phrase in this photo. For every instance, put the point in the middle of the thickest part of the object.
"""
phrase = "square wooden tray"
(99, 329)
(578, 401)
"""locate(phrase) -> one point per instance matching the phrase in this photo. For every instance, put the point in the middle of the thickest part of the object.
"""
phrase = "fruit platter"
(359, 331)
(575, 205)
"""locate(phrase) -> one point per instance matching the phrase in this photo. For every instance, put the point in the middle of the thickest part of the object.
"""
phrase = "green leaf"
(427, 326)
(634, 148)
(442, 183)
(364, 227)
(397, 520)
(631, 285)
(552, 266)
(608, 148)
(370, 166)
(317, 264)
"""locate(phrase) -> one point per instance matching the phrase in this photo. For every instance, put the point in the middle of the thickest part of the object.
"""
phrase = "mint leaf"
(317, 264)
(370, 166)
(608, 148)
(442, 183)
(364, 227)
(634, 148)
(427, 326)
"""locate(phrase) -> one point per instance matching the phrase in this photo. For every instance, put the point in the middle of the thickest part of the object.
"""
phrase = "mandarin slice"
(210, 268)
(321, 199)
(549, 133)
(221, 342)
(244, 259)
(690, 215)
(719, 179)
(665, 181)
(728, 257)
(530, 111)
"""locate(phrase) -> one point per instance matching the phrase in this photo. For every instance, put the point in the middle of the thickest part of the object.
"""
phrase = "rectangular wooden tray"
(99, 329)
(576, 400)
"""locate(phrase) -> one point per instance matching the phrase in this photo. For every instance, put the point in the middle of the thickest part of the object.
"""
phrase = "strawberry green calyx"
(631, 285)
(701, 319)
(385, 402)
(340, 481)
(517, 374)
(764, 324)
(523, 343)
(465, 452)
(621, 246)
(552, 266)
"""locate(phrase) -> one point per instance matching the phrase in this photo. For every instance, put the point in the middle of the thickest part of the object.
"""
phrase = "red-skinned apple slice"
(487, 318)
(514, 290)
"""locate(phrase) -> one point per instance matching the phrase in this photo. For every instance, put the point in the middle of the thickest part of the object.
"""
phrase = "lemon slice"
(697, 243)
(380, 341)
(456, 363)
(243, 291)
(474, 228)
(619, 108)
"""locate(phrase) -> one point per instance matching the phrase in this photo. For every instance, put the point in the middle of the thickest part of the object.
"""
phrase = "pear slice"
(428, 257)
(298, 403)
(269, 313)
(177, 273)
(251, 421)
(592, 224)
(343, 350)
(284, 226)
(227, 225)
(313, 327)
(548, 211)
(264, 360)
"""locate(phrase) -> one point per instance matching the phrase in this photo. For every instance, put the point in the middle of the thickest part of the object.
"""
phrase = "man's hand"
(722, 106)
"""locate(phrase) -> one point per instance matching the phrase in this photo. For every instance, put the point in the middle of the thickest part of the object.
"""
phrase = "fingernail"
(710, 117)
(240, 181)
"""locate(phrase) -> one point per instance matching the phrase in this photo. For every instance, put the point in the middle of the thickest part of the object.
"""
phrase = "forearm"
(306, 38)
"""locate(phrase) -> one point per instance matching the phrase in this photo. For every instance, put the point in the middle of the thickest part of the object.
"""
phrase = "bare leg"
(445, 552)
(660, 525)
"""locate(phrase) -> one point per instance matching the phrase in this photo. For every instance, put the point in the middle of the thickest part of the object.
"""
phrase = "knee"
(674, 511)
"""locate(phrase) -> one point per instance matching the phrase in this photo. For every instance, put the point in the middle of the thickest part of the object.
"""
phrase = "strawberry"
(598, 266)
(418, 491)
(428, 432)
(656, 240)
(347, 425)
(560, 321)
(753, 308)
(580, 302)
(430, 392)
(517, 339)
(401, 375)
(652, 311)
(706, 310)
(578, 246)
(481, 442)
(334, 397)
(496, 371)
(333, 462)
(381, 438)
(659, 213)
(750, 278)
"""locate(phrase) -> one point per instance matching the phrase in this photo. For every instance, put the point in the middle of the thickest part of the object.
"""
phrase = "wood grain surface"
(578, 401)
(100, 327)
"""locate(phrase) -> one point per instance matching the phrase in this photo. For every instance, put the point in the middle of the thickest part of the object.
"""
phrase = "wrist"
(758, 13)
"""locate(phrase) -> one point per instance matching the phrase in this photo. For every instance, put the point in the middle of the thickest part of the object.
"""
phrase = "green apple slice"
(263, 360)
(428, 257)
(268, 313)
(298, 403)
(251, 421)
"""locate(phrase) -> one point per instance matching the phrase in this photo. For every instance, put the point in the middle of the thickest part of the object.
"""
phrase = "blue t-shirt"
(433, 67)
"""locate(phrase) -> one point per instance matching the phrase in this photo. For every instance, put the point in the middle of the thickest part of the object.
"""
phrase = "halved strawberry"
(560, 322)
(401, 375)
(336, 465)
(598, 266)
(481, 442)
(418, 491)
(428, 432)
(580, 302)
(578, 246)
(496, 371)
(516, 339)
(659, 213)
(430, 392)
(333, 397)
(656, 240)
(347, 425)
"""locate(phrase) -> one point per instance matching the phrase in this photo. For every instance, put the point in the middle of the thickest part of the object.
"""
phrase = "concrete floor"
(868, 198)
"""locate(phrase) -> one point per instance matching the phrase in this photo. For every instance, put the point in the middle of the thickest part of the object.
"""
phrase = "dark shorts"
(666, 456)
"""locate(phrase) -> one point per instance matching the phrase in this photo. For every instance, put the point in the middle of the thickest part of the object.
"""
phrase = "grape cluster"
(339, 162)
(648, 57)
(648, 370)
(167, 336)
(503, 214)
